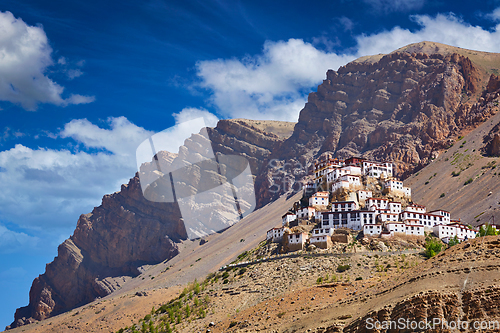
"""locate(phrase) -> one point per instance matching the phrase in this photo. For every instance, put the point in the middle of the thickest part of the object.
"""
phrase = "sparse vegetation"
(343, 268)
(468, 181)
(453, 241)
(432, 247)
(487, 230)
(490, 165)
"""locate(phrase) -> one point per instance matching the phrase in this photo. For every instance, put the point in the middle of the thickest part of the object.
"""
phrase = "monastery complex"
(360, 195)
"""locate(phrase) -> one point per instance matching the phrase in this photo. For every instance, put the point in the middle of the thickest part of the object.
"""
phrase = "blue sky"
(82, 83)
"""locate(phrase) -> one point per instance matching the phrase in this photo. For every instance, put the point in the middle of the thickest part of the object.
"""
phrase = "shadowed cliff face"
(403, 108)
(127, 231)
(106, 249)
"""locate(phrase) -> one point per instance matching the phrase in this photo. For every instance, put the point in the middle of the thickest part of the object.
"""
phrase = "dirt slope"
(472, 203)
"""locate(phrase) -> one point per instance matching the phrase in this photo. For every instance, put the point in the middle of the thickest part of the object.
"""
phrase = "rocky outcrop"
(405, 108)
(107, 247)
(469, 307)
(127, 231)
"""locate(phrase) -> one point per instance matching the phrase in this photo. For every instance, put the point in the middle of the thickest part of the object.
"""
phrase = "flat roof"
(439, 210)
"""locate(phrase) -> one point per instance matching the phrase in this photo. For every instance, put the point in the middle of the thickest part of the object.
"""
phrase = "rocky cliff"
(127, 231)
(403, 107)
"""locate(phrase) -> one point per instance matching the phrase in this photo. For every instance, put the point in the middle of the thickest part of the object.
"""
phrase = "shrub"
(242, 255)
(453, 241)
(488, 231)
(442, 195)
(343, 268)
(456, 174)
(281, 314)
(319, 280)
(432, 247)
(468, 181)
(242, 271)
(233, 323)
(359, 278)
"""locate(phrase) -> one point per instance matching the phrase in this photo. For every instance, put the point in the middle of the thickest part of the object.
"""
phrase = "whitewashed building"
(344, 206)
(414, 208)
(448, 231)
(372, 229)
(396, 228)
(306, 213)
(347, 182)
(275, 235)
(321, 238)
(377, 169)
(424, 219)
(363, 195)
(484, 225)
(296, 241)
(319, 199)
(388, 217)
(377, 204)
(393, 185)
(445, 214)
(396, 187)
(415, 230)
(352, 170)
(324, 167)
(394, 207)
(347, 219)
(288, 217)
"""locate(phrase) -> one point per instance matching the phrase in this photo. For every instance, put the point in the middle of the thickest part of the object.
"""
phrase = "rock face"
(468, 307)
(125, 232)
(128, 231)
(404, 107)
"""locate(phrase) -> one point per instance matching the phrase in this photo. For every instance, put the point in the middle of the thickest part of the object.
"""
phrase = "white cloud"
(187, 114)
(121, 139)
(47, 189)
(25, 55)
(446, 29)
(252, 86)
